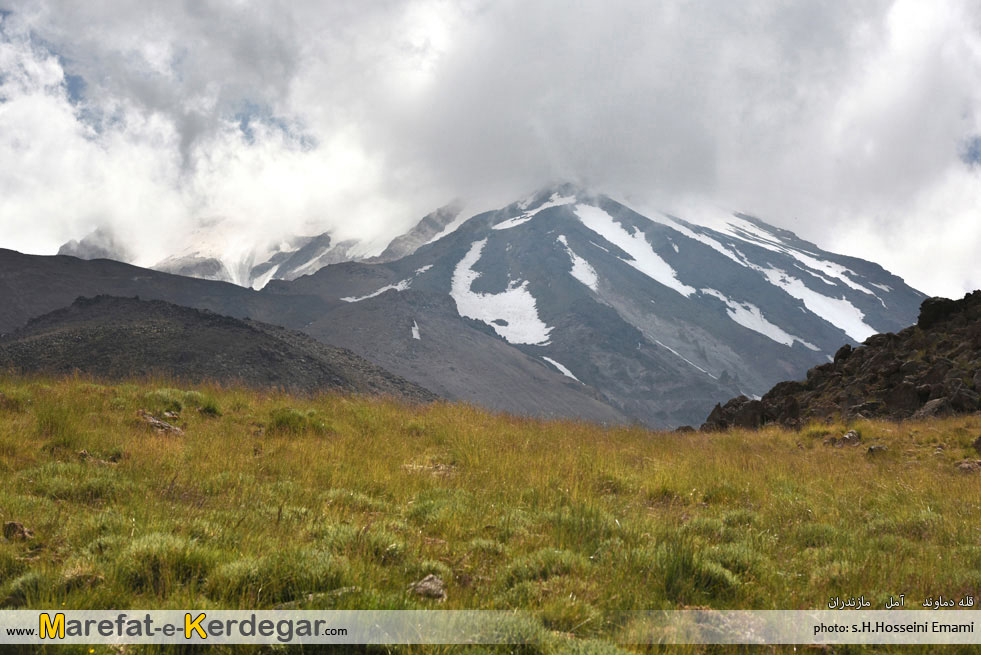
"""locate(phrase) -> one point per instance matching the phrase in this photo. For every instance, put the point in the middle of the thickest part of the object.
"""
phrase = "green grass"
(337, 502)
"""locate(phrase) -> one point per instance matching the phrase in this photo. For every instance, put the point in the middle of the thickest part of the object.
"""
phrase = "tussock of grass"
(269, 500)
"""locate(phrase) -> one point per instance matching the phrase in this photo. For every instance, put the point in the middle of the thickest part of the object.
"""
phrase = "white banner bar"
(483, 627)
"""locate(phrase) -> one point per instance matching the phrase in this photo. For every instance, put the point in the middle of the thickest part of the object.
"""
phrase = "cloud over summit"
(847, 123)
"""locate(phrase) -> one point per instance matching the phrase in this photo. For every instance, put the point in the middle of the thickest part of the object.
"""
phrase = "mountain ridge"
(633, 317)
(117, 338)
(674, 313)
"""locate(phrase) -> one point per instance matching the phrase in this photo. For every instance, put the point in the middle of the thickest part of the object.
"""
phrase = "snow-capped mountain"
(431, 228)
(99, 244)
(566, 303)
(218, 250)
(658, 316)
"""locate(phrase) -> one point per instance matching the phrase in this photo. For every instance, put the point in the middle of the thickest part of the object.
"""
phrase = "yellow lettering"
(194, 625)
(49, 630)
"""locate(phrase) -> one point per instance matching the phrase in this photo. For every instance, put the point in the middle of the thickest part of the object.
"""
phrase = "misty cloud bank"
(855, 126)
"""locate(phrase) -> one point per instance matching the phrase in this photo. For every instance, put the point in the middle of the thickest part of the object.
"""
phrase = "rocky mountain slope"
(660, 316)
(473, 365)
(31, 285)
(928, 369)
(432, 227)
(118, 338)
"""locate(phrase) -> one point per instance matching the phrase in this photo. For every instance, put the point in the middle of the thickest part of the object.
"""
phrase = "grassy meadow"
(332, 502)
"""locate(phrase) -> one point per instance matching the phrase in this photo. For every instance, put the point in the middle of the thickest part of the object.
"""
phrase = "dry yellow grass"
(350, 500)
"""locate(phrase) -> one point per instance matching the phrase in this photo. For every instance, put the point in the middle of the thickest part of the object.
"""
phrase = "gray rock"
(903, 398)
(935, 407)
(158, 426)
(969, 466)
(431, 586)
(964, 400)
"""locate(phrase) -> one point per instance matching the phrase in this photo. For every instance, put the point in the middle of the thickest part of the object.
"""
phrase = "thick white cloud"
(842, 121)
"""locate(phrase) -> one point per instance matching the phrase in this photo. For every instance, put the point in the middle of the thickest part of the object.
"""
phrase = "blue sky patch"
(971, 151)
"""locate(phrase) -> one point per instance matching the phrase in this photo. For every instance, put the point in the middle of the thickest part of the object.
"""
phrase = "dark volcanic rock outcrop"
(932, 368)
(125, 337)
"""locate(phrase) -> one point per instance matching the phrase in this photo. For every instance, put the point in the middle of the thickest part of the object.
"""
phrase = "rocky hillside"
(928, 369)
(116, 338)
(457, 358)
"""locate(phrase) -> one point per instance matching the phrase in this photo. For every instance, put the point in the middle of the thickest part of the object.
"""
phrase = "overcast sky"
(856, 125)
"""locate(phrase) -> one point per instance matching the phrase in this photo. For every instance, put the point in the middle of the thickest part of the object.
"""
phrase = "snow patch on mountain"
(263, 279)
(398, 286)
(513, 222)
(686, 360)
(581, 269)
(749, 316)
(562, 369)
(748, 231)
(642, 255)
(837, 311)
(513, 313)
(555, 201)
(452, 226)
(415, 331)
(664, 219)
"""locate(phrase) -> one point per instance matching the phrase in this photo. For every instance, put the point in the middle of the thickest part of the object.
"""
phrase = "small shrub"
(355, 501)
(739, 558)
(25, 589)
(381, 546)
(414, 429)
(918, 526)
(487, 547)
(279, 577)
(166, 400)
(833, 574)
(160, 562)
(544, 564)
(209, 408)
(581, 526)
(193, 398)
(10, 565)
(571, 616)
(664, 495)
(721, 494)
(426, 567)
(286, 420)
(740, 517)
(815, 535)
(79, 574)
(55, 421)
(710, 528)
(13, 401)
(75, 482)
(686, 575)
(435, 505)
(237, 581)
